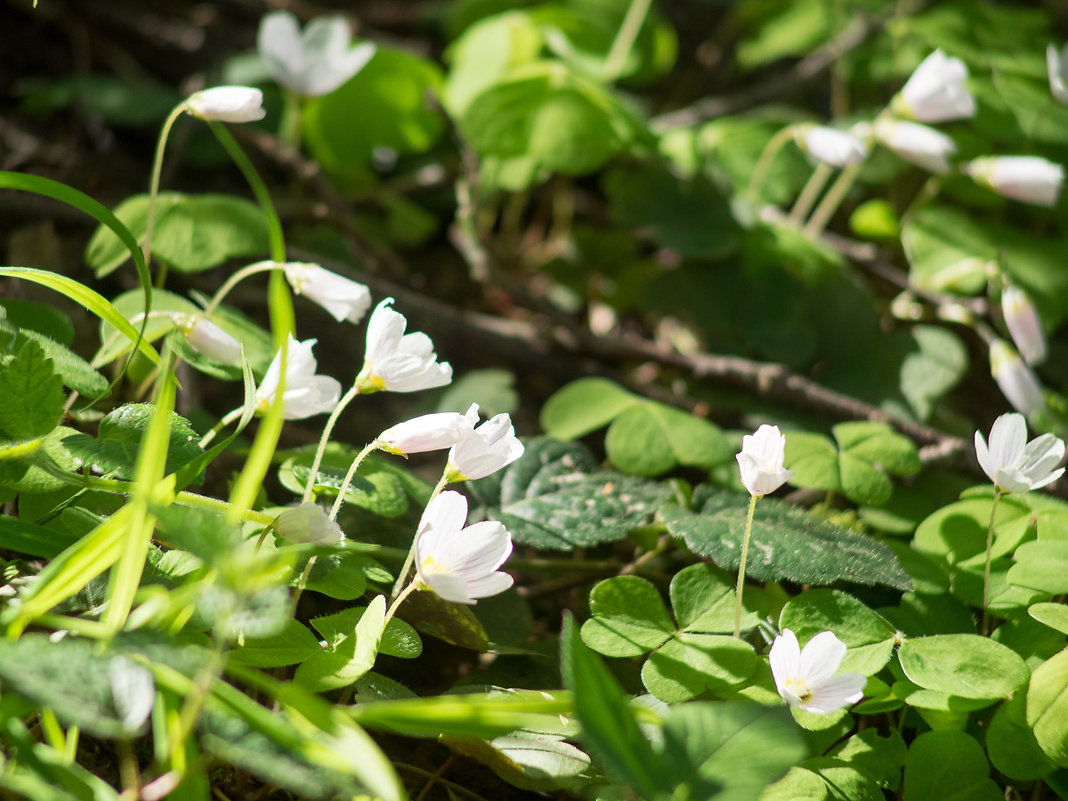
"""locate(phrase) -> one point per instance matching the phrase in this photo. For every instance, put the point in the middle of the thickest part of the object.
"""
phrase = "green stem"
(235, 279)
(807, 198)
(331, 421)
(302, 583)
(153, 186)
(986, 565)
(767, 157)
(340, 499)
(400, 599)
(832, 200)
(741, 567)
(411, 551)
(292, 115)
(625, 37)
(228, 418)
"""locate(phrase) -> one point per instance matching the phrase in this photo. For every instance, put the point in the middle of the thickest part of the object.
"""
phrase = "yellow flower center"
(799, 688)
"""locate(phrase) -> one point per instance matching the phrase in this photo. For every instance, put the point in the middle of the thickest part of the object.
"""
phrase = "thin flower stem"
(302, 583)
(228, 418)
(741, 567)
(340, 499)
(403, 574)
(986, 564)
(153, 187)
(399, 600)
(331, 421)
(832, 200)
(625, 38)
(292, 117)
(235, 279)
(767, 156)
(807, 199)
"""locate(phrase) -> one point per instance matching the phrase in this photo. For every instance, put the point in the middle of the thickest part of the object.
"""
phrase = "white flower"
(430, 432)
(227, 104)
(482, 450)
(935, 92)
(399, 362)
(760, 461)
(1015, 379)
(1021, 317)
(1057, 66)
(308, 523)
(344, 298)
(805, 678)
(1029, 179)
(831, 146)
(923, 146)
(460, 564)
(1013, 463)
(208, 339)
(306, 394)
(312, 63)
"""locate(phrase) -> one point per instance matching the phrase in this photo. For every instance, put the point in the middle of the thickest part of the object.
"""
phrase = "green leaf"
(376, 490)
(947, 250)
(32, 392)
(1012, 746)
(556, 497)
(30, 539)
(382, 106)
(584, 405)
(40, 318)
(934, 369)
(792, 30)
(690, 663)
(958, 531)
(965, 665)
(339, 575)
(628, 617)
(881, 757)
(528, 760)
(1041, 565)
(702, 597)
(452, 623)
(652, 438)
(192, 233)
(115, 450)
(293, 644)
(352, 638)
(1047, 707)
(868, 635)
(950, 766)
(1050, 614)
(609, 728)
(73, 370)
(787, 543)
(730, 750)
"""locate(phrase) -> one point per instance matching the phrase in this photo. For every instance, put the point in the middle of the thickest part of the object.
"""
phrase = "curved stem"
(346, 399)
(625, 37)
(986, 565)
(832, 200)
(235, 279)
(767, 156)
(153, 186)
(348, 478)
(302, 583)
(807, 198)
(741, 567)
(403, 574)
(400, 599)
(228, 418)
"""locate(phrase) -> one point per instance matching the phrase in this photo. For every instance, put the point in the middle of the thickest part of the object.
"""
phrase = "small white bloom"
(1013, 463)
(1029, 179)
(482, 450)
(308, 523)
(1021, 317)
(805, 678)
(227, 104)
(460, 564)
(1015, 379)
(829, 145)
(208, 339)
(760, 461)
(306, 394)
(344, 298)
(430, 432)
(399, 362)
(918, 144)
(1057, 66)
(935, 92)
(312, 63)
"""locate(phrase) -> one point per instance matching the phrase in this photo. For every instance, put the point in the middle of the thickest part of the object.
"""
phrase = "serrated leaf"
(115, 450)
(556, 497)
(73, 370)
(192, 232)
(787, 543)
(32, 392)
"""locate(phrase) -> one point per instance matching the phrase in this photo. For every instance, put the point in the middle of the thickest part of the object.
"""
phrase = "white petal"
(834, 693)
(227, 104)
(821, 657)
(785, 658)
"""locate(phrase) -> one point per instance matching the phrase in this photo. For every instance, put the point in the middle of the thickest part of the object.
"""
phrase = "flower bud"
(831, 146)
(227, 104)
(1057, 66)
(208, 339)
(430, 432)
(308, 523)
(919, 144)
(343, 298)
(935, 91)
(1021, 318)
(1015, 379)
(1029, 179)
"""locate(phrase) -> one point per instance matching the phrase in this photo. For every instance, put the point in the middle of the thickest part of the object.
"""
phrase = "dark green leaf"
(32, 392)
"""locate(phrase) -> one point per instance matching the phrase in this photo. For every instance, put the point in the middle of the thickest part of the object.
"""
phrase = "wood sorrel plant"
(228, 573)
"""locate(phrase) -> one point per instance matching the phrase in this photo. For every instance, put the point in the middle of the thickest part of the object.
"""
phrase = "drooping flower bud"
(1029, 179)
(935, 91)
(227, 104)
(207, 339)
(918, 144)
(1021, 318)
(1015, 379)
(307, 523)
(829, 145)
